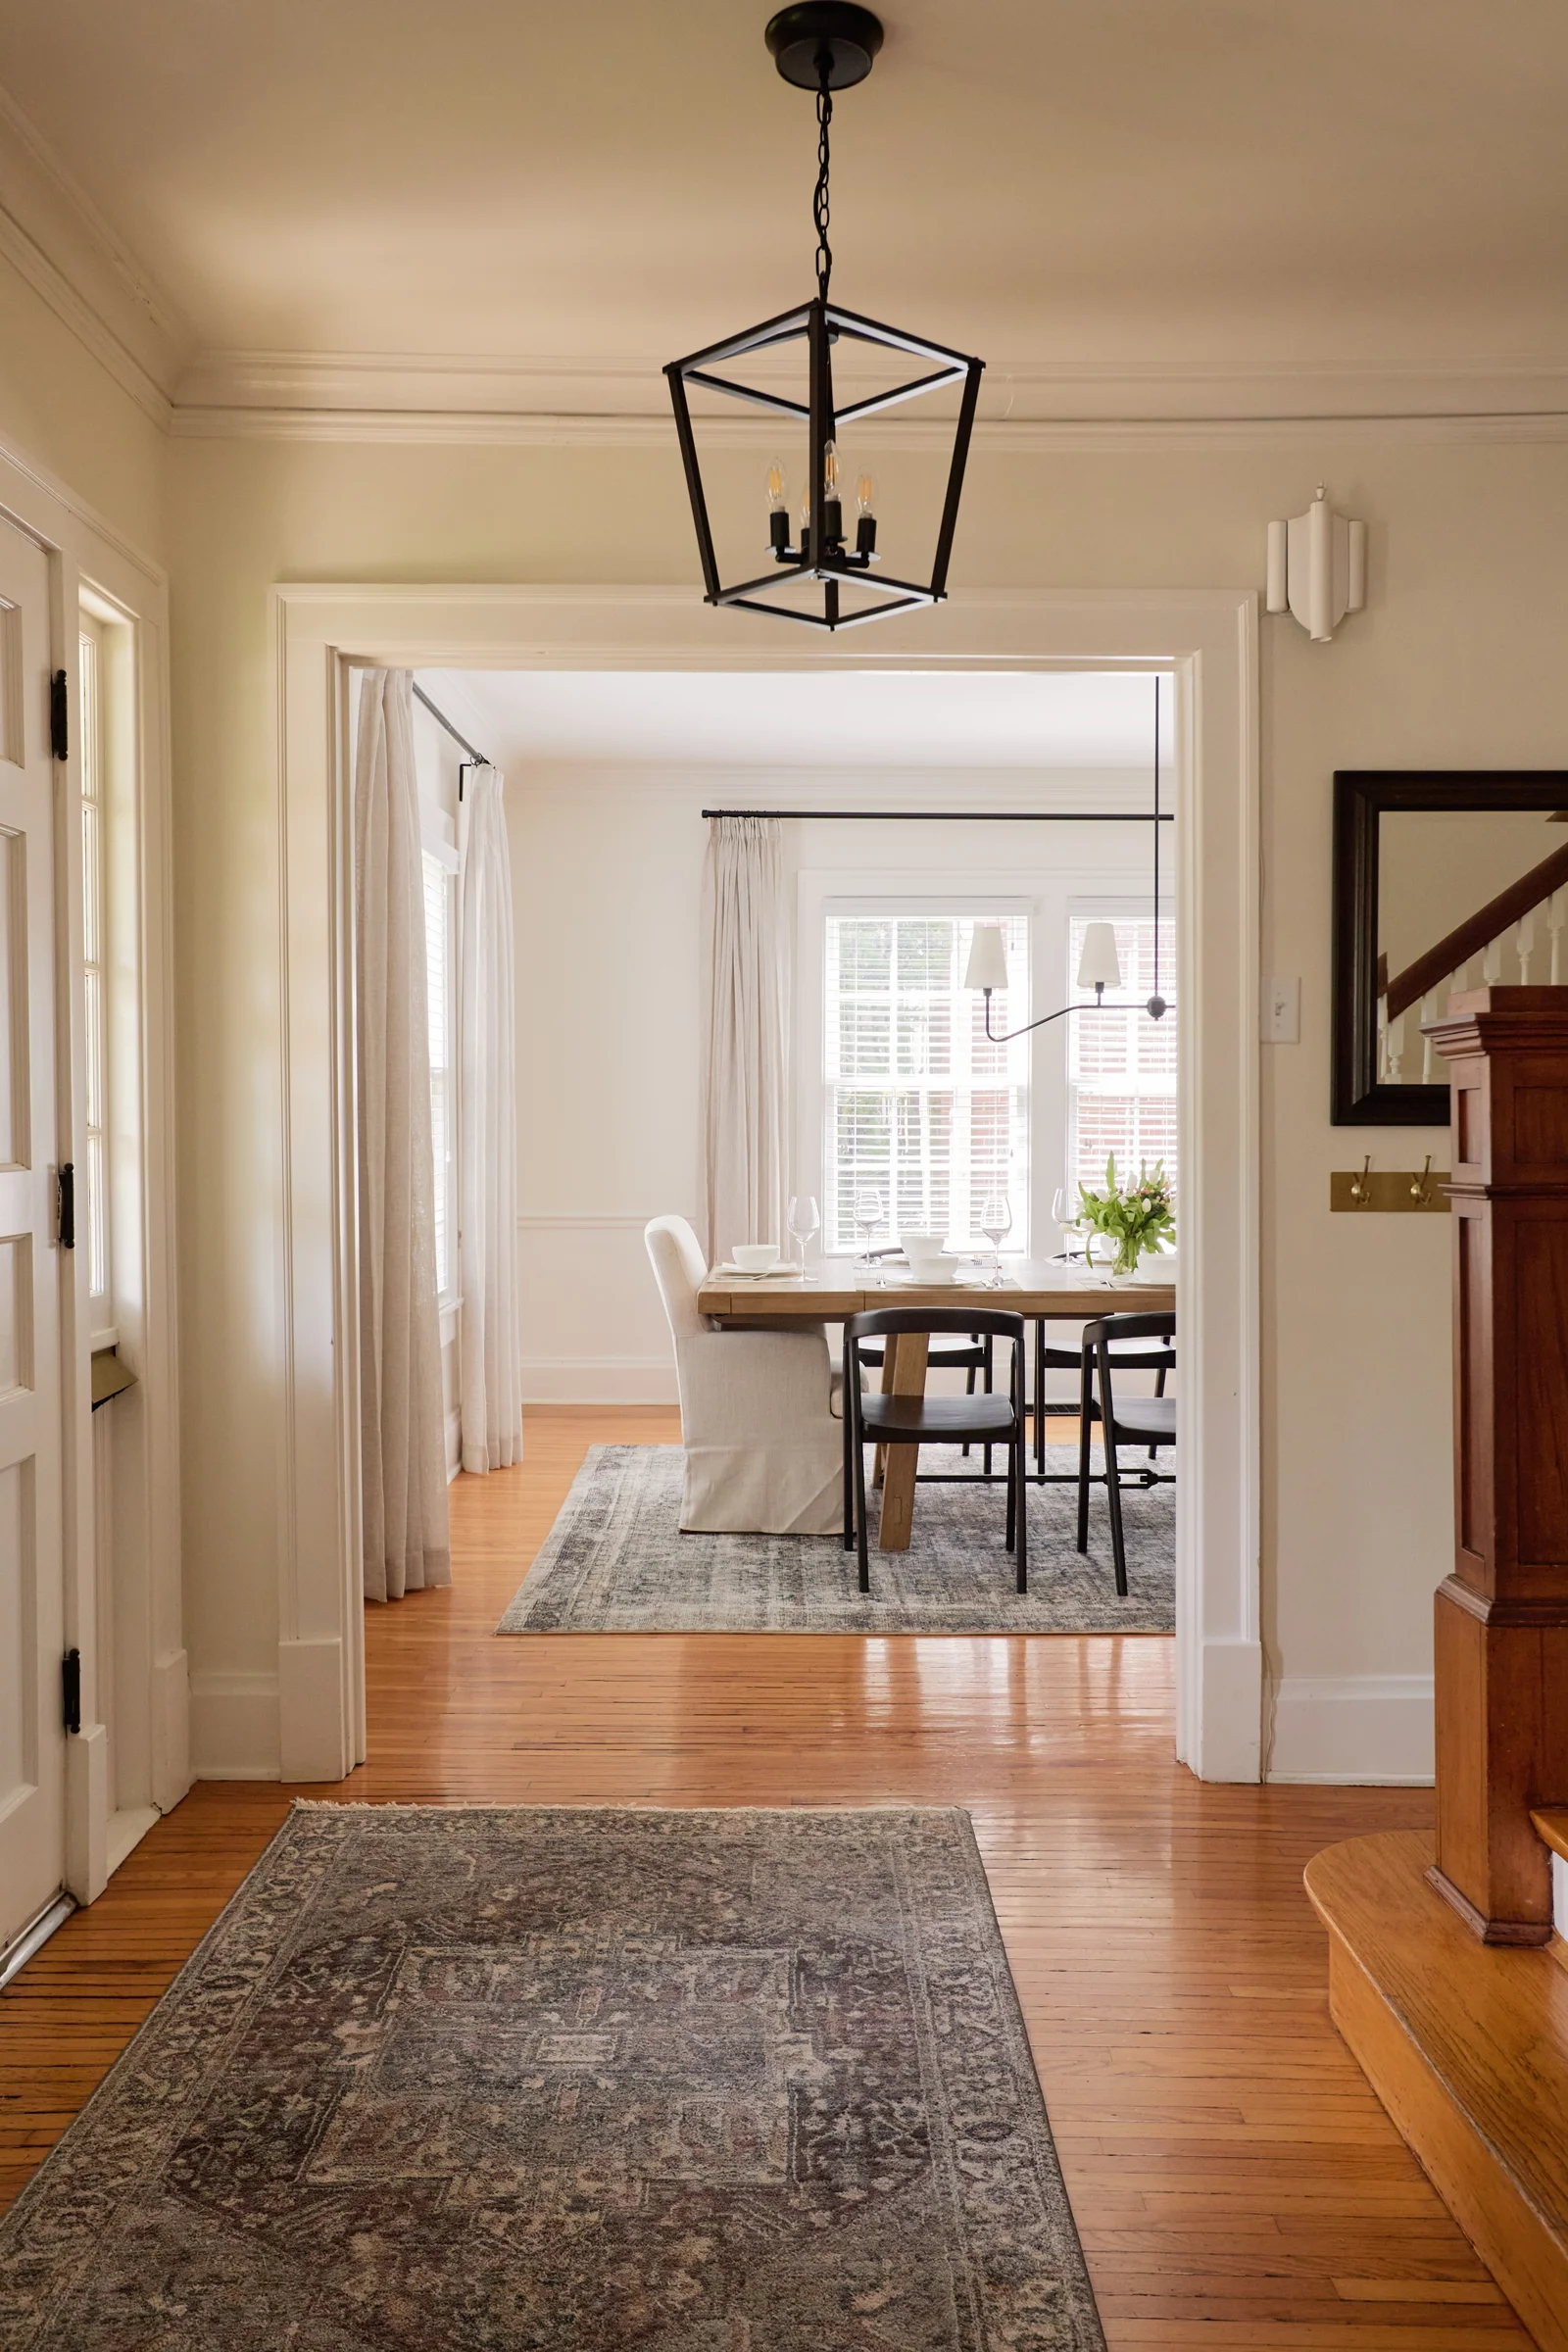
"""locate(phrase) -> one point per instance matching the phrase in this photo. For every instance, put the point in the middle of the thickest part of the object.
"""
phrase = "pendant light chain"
(820, 202)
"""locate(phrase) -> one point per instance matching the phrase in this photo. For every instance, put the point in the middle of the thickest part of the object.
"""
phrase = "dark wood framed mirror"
(1444, 878)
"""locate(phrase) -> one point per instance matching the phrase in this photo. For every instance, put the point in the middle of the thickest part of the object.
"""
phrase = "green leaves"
(1136, 1218)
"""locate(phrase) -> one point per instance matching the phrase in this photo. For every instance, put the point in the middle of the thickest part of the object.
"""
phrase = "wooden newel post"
(1501, 1651)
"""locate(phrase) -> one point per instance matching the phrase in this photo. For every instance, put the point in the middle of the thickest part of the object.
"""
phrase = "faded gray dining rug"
(454, 2080)
(615, 1561)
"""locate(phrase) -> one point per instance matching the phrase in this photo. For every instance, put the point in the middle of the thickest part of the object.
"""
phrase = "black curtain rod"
(956, 817)
(475, 758)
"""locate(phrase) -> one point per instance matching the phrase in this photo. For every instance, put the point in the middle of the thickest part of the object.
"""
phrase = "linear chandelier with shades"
(1100, 964)
(824, 45)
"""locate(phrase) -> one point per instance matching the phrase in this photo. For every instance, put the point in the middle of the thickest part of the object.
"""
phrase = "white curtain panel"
(744, 1159)
(487, 1162)
(407, 1545)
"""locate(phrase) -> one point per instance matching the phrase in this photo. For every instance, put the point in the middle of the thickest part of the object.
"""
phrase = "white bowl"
(756, 1257)
(925, 1253)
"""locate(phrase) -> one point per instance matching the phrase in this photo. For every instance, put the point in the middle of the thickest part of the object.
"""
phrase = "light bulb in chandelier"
(778, 509)
(832, 509)
(865, 501)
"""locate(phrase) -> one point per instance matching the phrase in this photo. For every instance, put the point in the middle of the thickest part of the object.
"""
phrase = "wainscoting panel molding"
(594, 1329)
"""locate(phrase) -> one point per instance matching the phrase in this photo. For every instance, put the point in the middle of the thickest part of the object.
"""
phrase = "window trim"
(93, 758)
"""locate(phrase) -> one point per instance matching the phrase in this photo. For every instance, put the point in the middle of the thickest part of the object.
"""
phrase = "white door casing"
(79, 557)
(1206, 639)
(33, 1745)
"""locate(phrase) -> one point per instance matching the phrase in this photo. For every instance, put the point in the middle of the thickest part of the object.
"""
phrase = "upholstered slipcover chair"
(758, 1411)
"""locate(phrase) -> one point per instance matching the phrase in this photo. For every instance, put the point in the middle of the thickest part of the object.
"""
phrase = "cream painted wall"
(1454, 662)
(64, 412)
(606, 886)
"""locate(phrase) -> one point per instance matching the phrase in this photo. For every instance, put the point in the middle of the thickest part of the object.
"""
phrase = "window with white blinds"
(917, 1102)
(440, 947)
(1121, 1066)
(96, 1155)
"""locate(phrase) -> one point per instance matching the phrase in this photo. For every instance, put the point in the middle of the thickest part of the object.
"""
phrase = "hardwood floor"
(1234, 2180)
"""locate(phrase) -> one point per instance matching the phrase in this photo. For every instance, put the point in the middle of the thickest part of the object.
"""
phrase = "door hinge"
(66, 1181)
(59, 733)
(70, 1688)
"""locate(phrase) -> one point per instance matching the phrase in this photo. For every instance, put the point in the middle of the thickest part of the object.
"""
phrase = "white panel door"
(31, 1557)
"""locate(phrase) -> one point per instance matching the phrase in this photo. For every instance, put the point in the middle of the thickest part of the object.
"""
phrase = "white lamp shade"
(1100, 965)
(988, 957)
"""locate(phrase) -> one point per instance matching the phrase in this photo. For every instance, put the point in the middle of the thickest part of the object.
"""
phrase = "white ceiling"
(1311, 182)
(809, 720)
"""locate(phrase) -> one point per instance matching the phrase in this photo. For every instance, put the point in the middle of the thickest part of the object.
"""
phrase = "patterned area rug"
(584, 2080)
(615, 1561)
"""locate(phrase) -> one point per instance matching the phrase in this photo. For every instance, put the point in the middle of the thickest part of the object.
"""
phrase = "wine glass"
(996, 1223)
(869, 1217)
(806, 1218)
(1064, 1209)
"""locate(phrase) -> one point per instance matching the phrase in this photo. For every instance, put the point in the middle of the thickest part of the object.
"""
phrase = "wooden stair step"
(1466, 2045)
(1552, 1823)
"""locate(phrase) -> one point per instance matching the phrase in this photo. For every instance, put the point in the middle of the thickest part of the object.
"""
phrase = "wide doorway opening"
(611, 972)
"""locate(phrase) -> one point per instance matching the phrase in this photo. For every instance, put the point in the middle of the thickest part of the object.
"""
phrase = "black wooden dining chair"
(1060, 1355)
(1142, 1421)
(875, 1417)
(974, 1360)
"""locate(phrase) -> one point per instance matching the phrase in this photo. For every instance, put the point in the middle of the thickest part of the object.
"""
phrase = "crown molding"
(499, 392)
(1070, 407)
(1106, 437)
(55, 237)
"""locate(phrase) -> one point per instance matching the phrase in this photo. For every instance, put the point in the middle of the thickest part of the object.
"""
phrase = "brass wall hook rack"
(1391, 1191)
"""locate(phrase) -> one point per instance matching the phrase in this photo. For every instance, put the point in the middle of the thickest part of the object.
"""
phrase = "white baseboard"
(314, 1740)
(235, 1727)
(599, 1380)
(1354, 1731)
(86, 1812)
(172, 1773)
(126, 1829)
(454, 1444)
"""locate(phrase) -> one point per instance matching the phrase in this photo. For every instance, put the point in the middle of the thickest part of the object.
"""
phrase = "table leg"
(904, 1372)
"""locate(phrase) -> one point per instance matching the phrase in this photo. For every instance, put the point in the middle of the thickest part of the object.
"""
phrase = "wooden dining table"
(1055, 1290)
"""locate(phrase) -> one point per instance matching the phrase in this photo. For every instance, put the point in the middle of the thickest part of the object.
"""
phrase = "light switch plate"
(1282, 1012)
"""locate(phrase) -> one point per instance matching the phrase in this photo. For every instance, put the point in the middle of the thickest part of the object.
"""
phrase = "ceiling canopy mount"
(830, 34)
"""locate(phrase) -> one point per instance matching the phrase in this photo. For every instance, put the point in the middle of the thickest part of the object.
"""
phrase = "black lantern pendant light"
(824, 45)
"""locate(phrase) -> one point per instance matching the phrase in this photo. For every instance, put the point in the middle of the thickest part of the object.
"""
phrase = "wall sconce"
(1317, 568)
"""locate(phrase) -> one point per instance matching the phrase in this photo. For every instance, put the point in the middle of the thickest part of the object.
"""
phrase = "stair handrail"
(1475, 932)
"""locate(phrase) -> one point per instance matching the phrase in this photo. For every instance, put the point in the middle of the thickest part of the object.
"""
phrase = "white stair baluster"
(1396, 1035)
(1491, 965)
(1524, 940)
(1431, 1010)
(1556, 910)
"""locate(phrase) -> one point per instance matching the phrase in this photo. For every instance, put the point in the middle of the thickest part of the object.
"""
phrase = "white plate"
(744, 1274)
